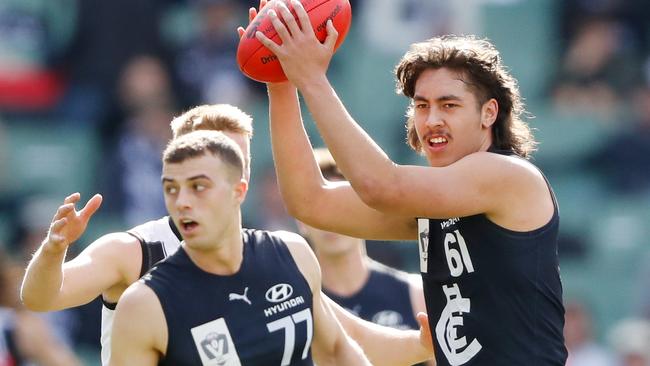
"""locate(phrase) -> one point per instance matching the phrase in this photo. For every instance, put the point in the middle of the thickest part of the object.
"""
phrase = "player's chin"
(438, 157)
(195, 242)
(192, 239)
(435, 160)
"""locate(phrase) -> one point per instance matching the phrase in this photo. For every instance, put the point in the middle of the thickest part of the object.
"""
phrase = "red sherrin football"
(258, 63)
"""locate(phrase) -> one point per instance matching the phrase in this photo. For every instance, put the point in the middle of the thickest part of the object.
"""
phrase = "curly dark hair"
(478, 62)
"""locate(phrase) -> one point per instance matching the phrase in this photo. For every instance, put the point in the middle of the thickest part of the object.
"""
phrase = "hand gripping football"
(258, 63)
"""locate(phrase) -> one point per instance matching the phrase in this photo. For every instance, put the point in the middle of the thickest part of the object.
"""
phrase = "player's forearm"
(407, 342)
(347, 141)
(298, 174)
(43, 278)
(373, 339)
(348, 352)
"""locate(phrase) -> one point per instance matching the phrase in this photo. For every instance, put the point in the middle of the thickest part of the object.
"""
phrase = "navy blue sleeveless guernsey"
(384, 299)
(494, 296)
(261, 315)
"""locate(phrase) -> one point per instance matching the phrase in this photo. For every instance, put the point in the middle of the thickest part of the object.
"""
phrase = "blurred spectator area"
(588, 102)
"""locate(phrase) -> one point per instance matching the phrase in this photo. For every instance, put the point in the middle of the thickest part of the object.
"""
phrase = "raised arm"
(502, 187)
(50, 284)
(139, 329)
(308, 197)
(331, 206)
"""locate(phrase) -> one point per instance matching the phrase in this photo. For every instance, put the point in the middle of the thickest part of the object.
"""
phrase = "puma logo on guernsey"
(243, 297)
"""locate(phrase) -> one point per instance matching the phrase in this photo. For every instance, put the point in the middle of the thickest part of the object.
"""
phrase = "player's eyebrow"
(443, 98)
(195, 177)
(199, 176)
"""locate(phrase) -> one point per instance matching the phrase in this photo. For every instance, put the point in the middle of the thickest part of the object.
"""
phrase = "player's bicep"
(99, 267)
(139, 334)
(476, 184)
(339, 209)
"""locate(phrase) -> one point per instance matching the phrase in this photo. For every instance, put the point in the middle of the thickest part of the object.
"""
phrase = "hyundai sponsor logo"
(279, 292)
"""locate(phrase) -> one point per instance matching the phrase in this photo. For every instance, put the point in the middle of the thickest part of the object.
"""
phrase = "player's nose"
(183, 200)
(434, 121)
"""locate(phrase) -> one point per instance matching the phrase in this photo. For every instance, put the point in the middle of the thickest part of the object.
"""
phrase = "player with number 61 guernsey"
(485, 217)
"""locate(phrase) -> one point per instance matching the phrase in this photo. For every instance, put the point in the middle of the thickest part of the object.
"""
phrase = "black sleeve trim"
(152, 253)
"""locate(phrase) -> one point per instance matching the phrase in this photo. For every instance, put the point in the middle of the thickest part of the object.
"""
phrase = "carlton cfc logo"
(279, 292)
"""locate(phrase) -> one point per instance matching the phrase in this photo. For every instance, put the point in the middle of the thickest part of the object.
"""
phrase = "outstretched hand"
(303, 57)
(69, 224)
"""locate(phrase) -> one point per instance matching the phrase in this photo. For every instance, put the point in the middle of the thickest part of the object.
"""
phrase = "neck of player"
(346, 273)
(224, 253)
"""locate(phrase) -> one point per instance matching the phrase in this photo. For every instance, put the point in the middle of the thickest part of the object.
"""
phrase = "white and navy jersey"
(158, 239)
(259, 316)
(494, 296)
(384, 299)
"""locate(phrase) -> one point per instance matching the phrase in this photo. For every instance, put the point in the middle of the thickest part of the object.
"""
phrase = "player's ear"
(240, 190)
(489, 112)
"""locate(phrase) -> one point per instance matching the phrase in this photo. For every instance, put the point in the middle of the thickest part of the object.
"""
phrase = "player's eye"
(199, 187)
(449, 105)
(170, 190)
(421, 105)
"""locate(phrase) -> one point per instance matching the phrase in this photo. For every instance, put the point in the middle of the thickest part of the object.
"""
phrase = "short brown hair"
(199, 143)
(216, 117)
(478, 61)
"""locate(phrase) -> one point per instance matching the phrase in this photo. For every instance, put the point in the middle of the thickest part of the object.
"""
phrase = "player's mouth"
(188, 226)
(436, 143)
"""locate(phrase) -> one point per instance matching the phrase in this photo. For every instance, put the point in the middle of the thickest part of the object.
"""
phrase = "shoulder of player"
(296, 244)
(137, 296)
(519, 195)
(499, 171)
(140, 311)
(303, 255)
(504, 165)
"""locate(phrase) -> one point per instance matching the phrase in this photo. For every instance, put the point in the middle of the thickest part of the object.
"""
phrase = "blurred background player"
(26, 338)
(583, 349)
